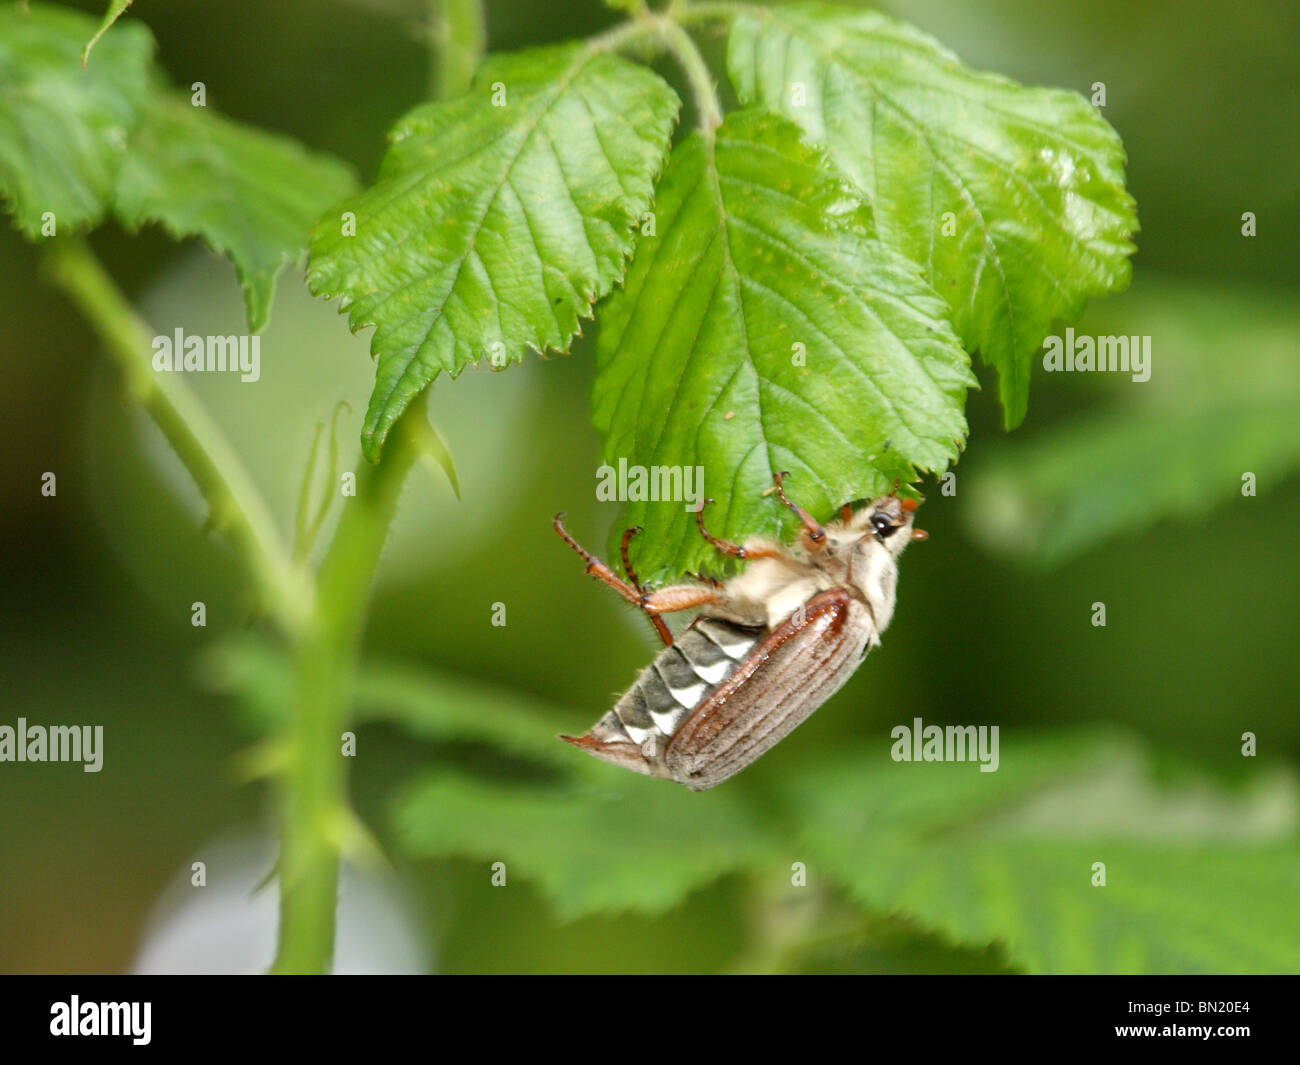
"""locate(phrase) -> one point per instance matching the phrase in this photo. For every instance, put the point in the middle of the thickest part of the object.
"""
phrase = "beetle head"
(889, 520)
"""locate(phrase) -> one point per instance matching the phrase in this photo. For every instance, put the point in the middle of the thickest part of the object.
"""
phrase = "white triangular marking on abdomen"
(688, 697)
(713, 674)
(736, 649)
(667, 721)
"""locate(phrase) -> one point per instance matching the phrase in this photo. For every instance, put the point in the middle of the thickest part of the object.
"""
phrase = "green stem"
(315, 805)
(235, 507)
(458, 37)
(683, 49)
(789, 925)
(315, 780)
(723, 11)
(660, 30)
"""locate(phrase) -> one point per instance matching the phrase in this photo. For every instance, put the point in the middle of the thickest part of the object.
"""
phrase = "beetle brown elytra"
(766, 649)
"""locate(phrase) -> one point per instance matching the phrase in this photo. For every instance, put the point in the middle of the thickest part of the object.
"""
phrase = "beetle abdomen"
(682, 676)
(636, 732)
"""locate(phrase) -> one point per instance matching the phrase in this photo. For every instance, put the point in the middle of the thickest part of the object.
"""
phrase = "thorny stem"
(235, 507)
(315, 810)
(314, 786)
(322, 621)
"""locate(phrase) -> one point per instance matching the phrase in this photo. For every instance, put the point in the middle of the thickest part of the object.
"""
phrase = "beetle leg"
(660, 626)
(597, 568)
(815, 533)
(679, 597)
(627, 562)
(637, 596)
(726, 547)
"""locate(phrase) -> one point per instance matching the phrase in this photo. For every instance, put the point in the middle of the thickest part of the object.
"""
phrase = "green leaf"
(1198, 425)
(438, 706)
(1179, 910)
(495, 228)
(1034, 178)
(1198, 879)
(115, 11)
(63, 129)
(764, 329)
(635, 844)
(252, 196)
(1031, 501)
(430, 706)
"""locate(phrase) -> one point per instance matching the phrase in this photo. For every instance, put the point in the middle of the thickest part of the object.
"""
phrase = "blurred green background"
(1201, 584)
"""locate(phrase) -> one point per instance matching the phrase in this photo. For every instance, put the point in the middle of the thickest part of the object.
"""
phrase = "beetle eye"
(881, 523)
